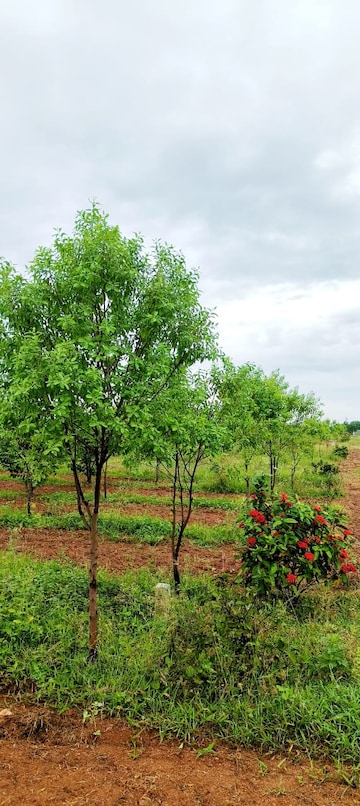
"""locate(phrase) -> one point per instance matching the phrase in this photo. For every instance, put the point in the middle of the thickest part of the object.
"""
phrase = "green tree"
(284, 412)
(239, 390)
(185, 430)
(24, 455)
(92, 337)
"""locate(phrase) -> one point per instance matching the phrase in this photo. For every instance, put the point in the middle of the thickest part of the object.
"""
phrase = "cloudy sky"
(230, 128)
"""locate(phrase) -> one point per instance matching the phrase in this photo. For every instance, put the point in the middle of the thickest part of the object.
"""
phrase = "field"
(64, 739)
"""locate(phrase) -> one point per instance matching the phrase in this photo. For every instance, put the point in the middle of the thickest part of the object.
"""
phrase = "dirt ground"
(46, 758)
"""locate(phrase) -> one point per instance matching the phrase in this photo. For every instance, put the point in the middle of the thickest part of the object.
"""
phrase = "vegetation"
(221, 663)
(97, 352)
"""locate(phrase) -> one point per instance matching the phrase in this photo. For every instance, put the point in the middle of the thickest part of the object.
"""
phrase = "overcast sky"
(230, 128)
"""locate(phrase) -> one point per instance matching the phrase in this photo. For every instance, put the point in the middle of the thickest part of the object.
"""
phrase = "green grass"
(122, 498)
(219, 665)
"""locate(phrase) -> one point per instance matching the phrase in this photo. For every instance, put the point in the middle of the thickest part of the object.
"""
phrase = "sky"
(226, 127)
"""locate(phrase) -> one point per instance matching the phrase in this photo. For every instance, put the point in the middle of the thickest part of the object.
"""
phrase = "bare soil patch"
(116, 557)
(46, 758)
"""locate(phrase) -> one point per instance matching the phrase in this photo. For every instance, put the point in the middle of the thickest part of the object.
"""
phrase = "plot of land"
(46, 758)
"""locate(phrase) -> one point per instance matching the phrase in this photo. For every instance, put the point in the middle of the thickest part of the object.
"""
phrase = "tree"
(24, 455)
(263, 414)
(301, 439)
(353, 427)
(284, 413)
(96, 333)
(239, 389)
(185, 430)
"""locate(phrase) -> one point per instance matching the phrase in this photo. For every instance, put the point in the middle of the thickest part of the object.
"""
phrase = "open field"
(296, 696)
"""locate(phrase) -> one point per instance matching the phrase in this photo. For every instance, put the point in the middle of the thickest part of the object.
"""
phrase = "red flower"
(317, 509)
(309, 556)
(347, 532)
(317, 539)
(283, 497)
(339, 537)
(241, 525)
(258, 516)
(348, 568)
(307, 541)
(302, 544)
(251, 541)
(275, 534)
(291, 579)
(320, 519)
(289, 504)
(253, 496)
(343, 554)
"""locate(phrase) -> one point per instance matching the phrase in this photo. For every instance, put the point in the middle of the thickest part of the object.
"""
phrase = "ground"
(47, 758)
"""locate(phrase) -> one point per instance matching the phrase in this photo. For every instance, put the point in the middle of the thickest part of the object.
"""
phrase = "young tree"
(301, 439)
(95, 334)
(239, 389)
(263, 414)
(24, 455)
(185, 429)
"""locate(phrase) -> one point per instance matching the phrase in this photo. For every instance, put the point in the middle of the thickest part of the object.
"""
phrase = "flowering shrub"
(290, 544)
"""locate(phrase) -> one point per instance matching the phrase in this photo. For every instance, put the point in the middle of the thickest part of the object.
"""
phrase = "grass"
(122, 498)
(219, 664)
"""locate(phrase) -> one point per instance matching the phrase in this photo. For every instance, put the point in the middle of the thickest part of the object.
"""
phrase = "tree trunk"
(176, 576)
(274, 471)
(105, 480)
(29, 495)
(157, 471)
(93, 614)
(247, 480)
(292, 478)
(173, 527)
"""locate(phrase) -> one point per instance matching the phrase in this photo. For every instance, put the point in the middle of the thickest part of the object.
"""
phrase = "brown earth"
(46, 758)
(116, 557)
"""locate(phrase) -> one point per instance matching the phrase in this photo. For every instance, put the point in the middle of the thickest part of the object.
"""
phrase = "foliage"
(290, 545)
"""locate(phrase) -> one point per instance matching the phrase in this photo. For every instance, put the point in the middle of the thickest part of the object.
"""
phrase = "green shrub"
(328, 474)
(341, 451)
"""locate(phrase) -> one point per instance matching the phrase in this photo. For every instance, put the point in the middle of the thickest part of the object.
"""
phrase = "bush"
(341, 451)
(328, 474)
(291, 545)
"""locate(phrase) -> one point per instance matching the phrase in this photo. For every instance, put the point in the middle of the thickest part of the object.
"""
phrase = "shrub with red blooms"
(290, 546)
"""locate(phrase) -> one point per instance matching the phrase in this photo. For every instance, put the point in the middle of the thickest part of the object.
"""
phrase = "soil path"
(46, 758)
